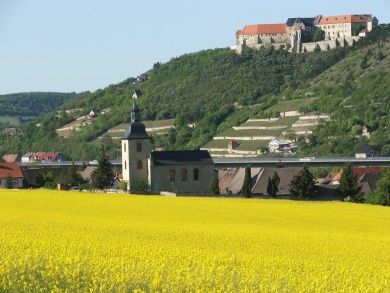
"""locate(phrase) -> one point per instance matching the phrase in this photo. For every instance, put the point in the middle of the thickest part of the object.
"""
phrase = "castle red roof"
(10, 170)
(355, 18)
(255, 29)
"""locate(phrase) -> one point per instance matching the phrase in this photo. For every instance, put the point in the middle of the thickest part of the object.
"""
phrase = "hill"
(83, 242)
(215, 90)
(24, 106)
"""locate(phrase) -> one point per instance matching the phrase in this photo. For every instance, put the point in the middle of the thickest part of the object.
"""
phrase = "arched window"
(139, 147)
(125, 165)
(184, 175)
(125, 146)
(196, 174)
(139, 165)
(172, 175)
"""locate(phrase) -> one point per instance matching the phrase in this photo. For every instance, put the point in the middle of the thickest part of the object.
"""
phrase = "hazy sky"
(77, 45)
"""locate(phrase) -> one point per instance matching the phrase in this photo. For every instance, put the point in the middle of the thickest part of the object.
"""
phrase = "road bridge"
(250, 161)
(300, 162)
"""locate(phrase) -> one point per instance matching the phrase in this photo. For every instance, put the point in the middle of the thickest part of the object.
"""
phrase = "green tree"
(247, 184)
(45, 180)
(319, 35)
(381, 195)
(103, 176)
(364, 62)
(349, 186)
(385, 151)
(379, 56)
(9, 184)
(214, 187)
(273, 184)
(303, 184)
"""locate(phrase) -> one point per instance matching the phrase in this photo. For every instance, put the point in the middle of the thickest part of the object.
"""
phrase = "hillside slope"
(218, 89)
(14, 107)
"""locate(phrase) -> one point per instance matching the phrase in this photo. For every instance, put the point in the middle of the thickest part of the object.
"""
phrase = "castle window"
(139, 147)
(172, 175)
(184, 175)
(196, 174)
(125, 165)
(139, 165)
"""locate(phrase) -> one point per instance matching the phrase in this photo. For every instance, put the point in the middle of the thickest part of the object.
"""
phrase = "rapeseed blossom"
(84, 242)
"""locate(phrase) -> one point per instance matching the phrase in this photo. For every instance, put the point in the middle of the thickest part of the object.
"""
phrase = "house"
(285, 175)
(232, 145)
(137, 94)
(11, 130)
(236, 183)
(280, 146)
(26, 158)
(225, 177)
(180, 172)
(11, 171)
(42, 157)
(366, 132)
(367, 151)
(142, 78)
(362, 174)
(87, 172)
(11, 158)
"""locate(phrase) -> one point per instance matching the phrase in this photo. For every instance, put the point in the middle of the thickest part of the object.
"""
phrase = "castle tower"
(136, 148)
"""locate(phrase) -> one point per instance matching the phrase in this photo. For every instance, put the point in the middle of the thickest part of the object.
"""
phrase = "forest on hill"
(32, 104)
(218, 89)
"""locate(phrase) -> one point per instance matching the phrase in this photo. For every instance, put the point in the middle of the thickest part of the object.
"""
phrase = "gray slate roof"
(136, 130)
(196, 157)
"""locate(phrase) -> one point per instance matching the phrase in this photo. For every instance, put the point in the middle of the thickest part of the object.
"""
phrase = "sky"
(79, 45)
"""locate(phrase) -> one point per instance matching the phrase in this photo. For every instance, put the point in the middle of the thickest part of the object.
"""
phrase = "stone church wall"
(160, 179)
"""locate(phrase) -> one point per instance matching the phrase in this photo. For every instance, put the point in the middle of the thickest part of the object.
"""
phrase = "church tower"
(136, 148)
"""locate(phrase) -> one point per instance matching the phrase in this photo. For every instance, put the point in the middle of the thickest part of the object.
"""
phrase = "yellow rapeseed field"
(84, 242)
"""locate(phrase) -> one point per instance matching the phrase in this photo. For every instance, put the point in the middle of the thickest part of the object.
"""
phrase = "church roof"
(136, 130)
(196, 157)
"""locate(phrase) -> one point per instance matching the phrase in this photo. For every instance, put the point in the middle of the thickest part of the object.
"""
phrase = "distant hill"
(31, 104)
(218, 89)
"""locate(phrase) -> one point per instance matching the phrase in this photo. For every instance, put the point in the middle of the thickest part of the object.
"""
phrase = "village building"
(11, 158)
(367, 151)
(179, 172)
(137, 94)
(11, 130)
(280, 146)
(42, 157)
(11, 171)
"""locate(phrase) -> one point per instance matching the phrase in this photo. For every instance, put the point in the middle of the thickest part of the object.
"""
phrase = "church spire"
(135, 113)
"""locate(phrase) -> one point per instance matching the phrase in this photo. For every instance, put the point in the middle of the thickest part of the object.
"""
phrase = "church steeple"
(135, 113)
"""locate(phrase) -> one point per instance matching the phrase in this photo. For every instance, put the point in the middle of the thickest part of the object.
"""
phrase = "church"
(179, 172)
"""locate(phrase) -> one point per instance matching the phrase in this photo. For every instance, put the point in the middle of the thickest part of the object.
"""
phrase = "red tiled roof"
(10, 169)
(345, 19)
(359, 172)
(367, 170)
(46, 156)
(255, 29)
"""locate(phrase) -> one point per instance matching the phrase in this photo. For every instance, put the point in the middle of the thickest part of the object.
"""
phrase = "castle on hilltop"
(307, 34)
